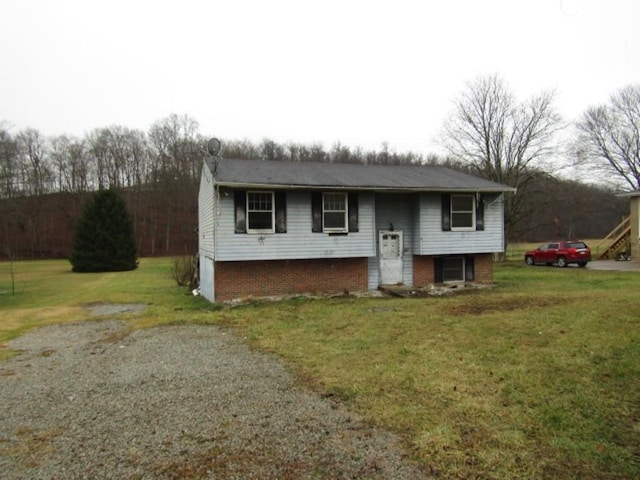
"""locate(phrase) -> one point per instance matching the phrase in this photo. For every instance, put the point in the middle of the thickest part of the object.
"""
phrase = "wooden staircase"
(616, 243)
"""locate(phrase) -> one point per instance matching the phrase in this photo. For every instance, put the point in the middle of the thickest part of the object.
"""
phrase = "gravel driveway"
(91, 400)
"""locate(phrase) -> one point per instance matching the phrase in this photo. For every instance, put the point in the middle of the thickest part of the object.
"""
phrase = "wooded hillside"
(45, 182)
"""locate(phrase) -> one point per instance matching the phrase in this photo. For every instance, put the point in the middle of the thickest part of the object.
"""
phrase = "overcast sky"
(358, 72)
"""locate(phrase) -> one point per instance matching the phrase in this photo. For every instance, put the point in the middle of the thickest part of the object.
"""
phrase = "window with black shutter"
(462, 212)
(446, 213)
(334, 212)
(479, 212)
(240, 211)
(281, 212)
(353, 212)
(260, 211)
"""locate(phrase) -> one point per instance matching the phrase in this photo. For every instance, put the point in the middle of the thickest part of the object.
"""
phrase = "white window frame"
(345, 227)
(250, 211)
(463, 271)
(465, 228)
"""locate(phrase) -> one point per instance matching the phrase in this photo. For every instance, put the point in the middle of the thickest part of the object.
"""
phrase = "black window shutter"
(469, 271)
(446, 212)
(353, 212)
(437, 268)
(240, 198)
(281, 212)
(316, 211)
(480, 213)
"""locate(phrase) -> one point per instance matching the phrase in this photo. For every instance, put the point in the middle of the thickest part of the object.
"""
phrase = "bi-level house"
(276, 227)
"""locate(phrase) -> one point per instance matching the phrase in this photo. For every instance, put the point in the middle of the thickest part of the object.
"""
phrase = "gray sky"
(358, 72)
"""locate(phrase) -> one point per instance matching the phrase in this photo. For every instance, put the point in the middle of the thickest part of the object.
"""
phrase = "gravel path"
(92, 400)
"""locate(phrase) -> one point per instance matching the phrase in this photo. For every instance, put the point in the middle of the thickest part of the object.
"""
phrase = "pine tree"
(104, 240)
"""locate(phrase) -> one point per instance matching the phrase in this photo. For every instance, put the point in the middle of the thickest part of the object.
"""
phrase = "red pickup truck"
(562, 253)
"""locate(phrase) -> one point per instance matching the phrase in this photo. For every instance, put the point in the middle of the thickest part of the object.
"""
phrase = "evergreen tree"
(104, 240)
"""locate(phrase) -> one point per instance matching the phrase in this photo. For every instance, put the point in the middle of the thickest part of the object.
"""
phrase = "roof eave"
(371, 188)
(635, 193)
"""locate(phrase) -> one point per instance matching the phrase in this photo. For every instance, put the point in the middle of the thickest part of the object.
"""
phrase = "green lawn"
(536, 378)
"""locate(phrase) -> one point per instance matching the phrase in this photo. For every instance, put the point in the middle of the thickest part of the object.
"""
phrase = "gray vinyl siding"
(207, 287)
(205, 213)
(373, 273)
(434, 241)
(299, 241)
(399, 210)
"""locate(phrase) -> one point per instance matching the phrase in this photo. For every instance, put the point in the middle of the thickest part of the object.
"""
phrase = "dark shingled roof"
(274, 174)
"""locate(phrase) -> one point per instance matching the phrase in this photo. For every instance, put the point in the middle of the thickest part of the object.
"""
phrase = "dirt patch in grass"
(485, 304)
(106, 309)
(29, 445)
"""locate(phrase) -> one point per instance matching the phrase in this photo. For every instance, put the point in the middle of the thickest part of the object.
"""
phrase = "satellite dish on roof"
(213, 146)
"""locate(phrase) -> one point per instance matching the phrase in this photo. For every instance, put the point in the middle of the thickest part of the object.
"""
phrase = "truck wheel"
(562, 262)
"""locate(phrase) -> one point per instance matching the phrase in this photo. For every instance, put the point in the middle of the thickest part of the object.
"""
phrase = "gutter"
(371, 188)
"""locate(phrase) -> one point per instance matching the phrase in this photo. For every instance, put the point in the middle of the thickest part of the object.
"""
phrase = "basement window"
(453, 269)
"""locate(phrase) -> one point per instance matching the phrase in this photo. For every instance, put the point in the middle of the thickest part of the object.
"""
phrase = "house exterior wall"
(424, 273)
(206, 210)
(281, 277)
(206, 246)
(483, 268)
(424, 269)
(207, 287)
(432, 240)
(299, 241)
(233, 264)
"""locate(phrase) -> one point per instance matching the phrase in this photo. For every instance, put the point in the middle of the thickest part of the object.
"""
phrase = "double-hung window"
(260, 212)
(463, 213)
(335, 212)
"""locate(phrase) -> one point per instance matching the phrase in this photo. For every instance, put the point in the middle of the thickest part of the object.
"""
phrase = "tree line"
(44, 181)
(123, 158)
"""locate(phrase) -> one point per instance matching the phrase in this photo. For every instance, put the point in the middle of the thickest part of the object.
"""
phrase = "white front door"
(390, 245)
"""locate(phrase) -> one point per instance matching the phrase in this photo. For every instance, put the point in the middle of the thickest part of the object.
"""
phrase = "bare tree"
(176, 145)
(609, 137)
(502, 139)
(8, 164)
(37, 177)
(119, 156)
(177, 152)
(70, 164)
(79, 165)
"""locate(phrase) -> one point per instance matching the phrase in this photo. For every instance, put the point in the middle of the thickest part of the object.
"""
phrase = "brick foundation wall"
(281, 277)
(483, 265)
(424, 269)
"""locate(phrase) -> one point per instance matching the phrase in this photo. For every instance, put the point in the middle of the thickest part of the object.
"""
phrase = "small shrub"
(185, 271)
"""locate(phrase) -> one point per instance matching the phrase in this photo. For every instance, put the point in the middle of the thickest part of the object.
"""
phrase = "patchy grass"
(30, 446)
(538, 378)
(48, 292)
